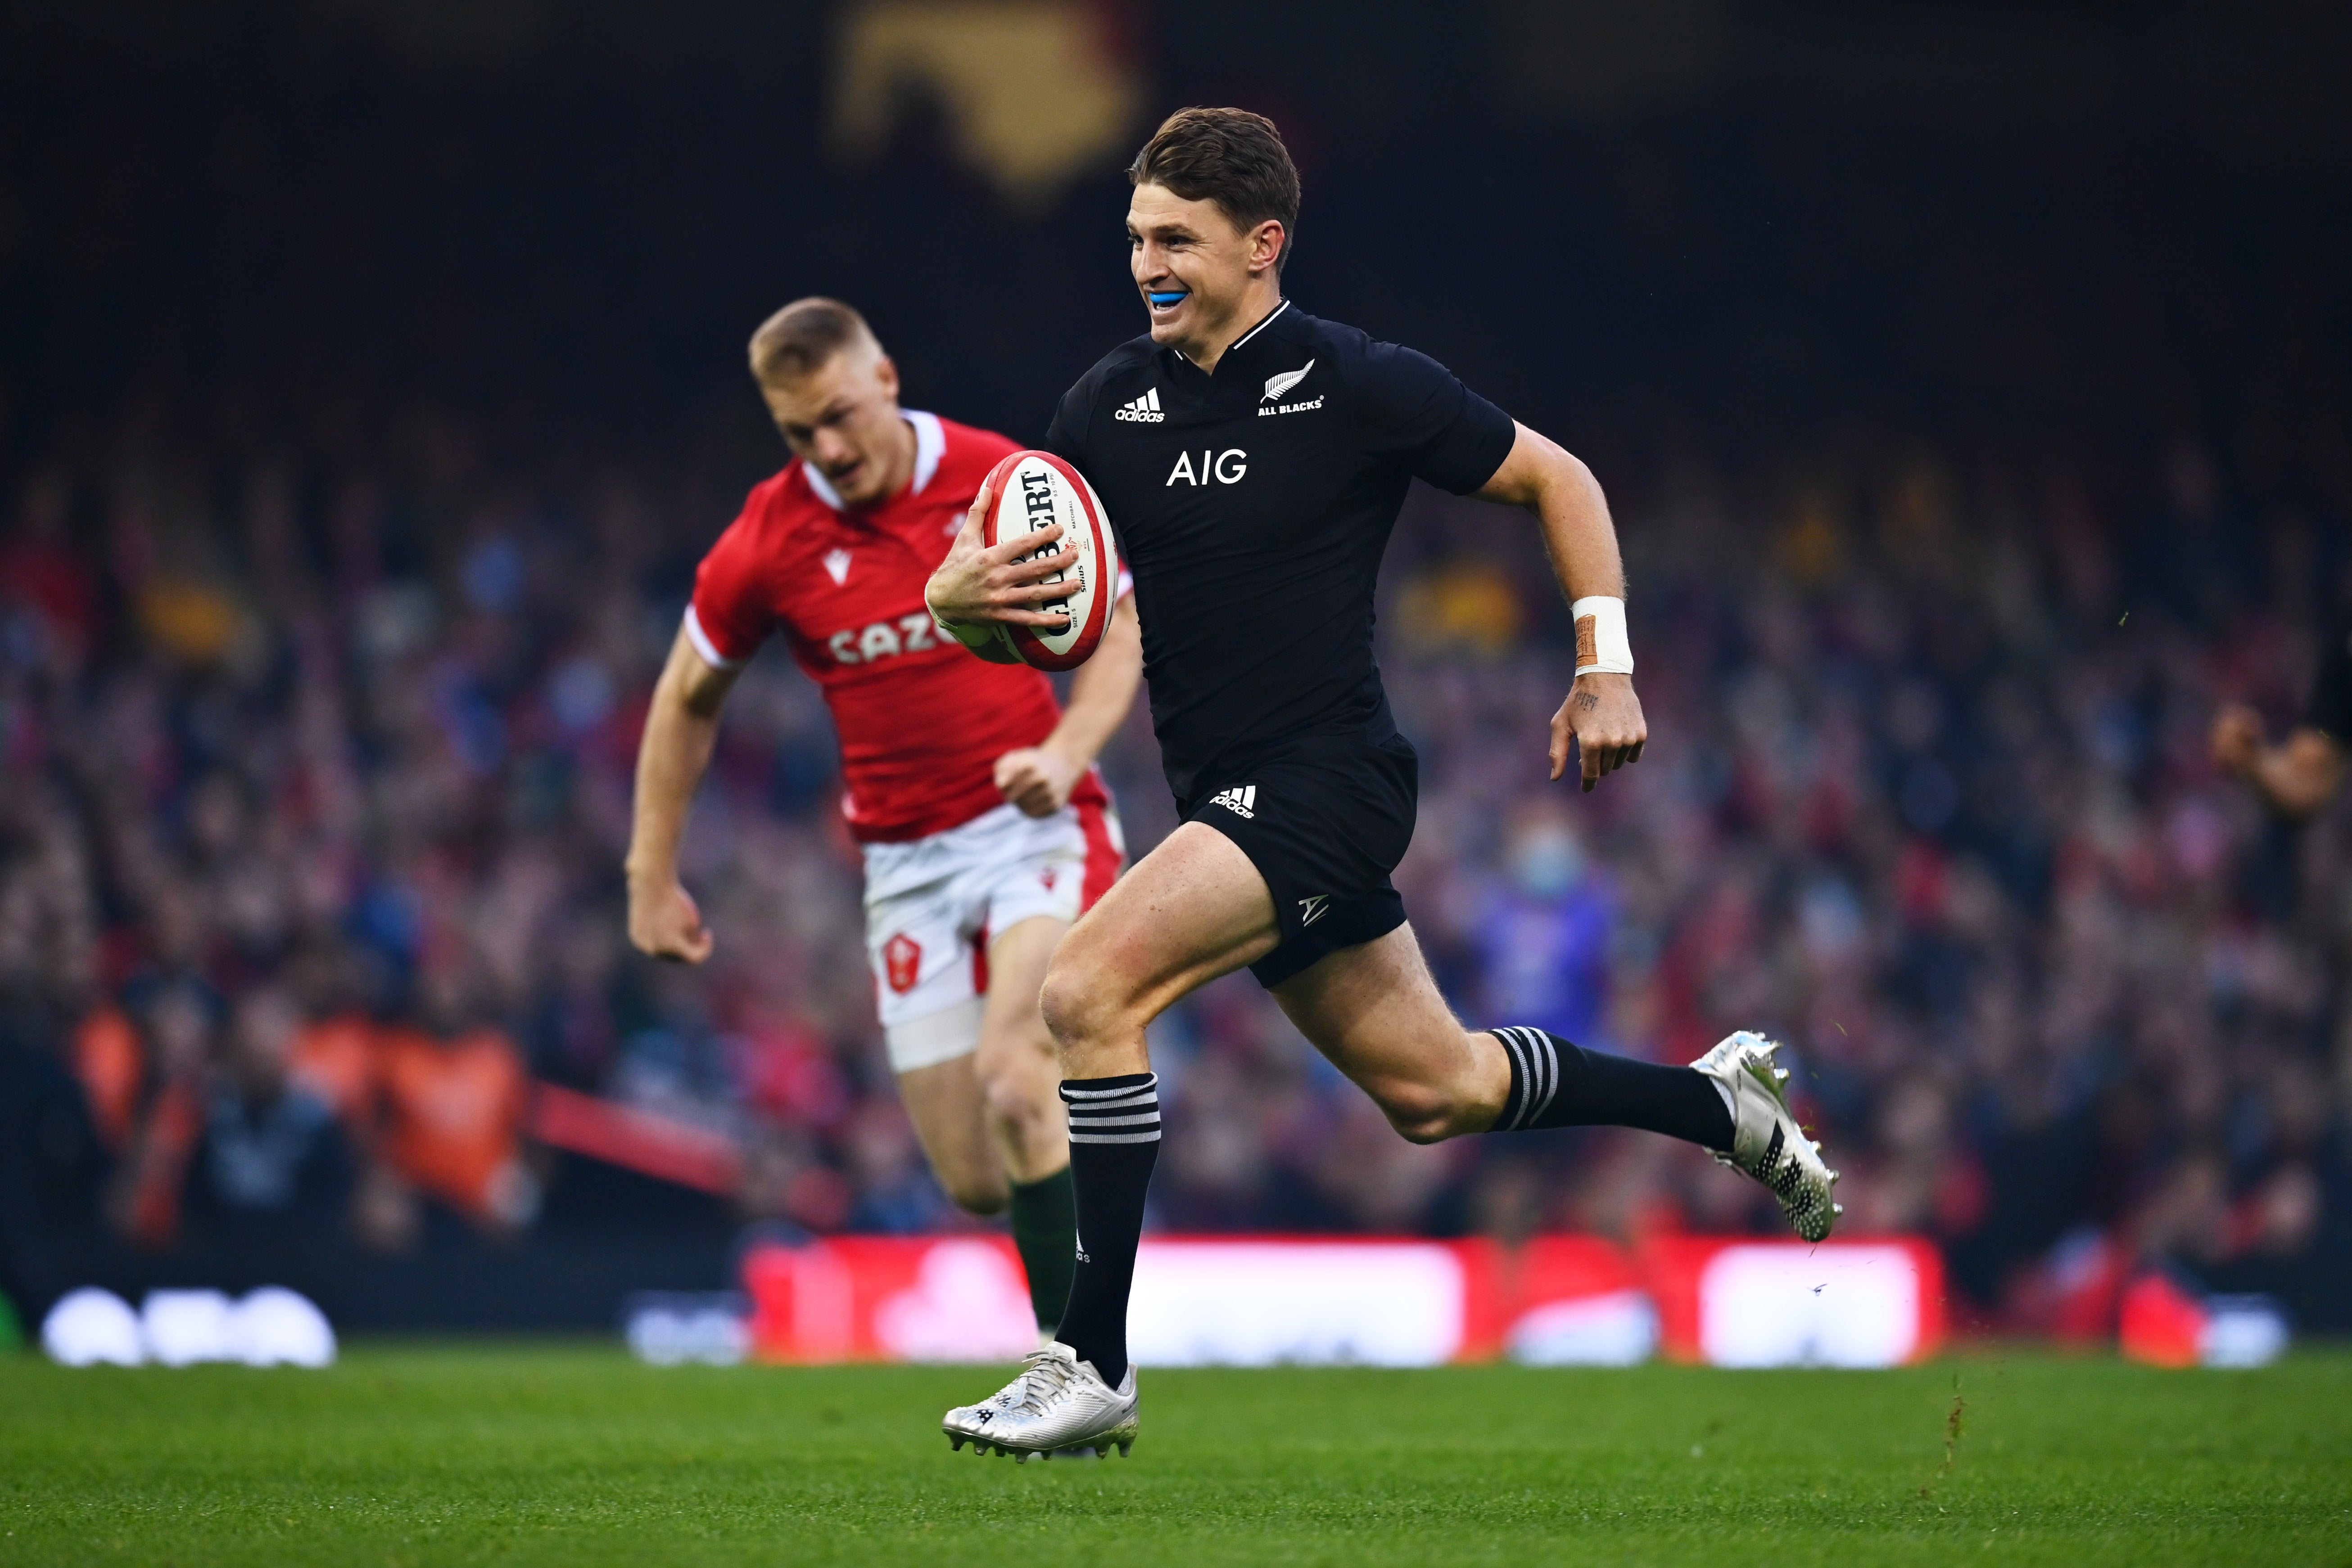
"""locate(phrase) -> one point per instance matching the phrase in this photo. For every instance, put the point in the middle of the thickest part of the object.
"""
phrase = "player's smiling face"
(843, 420)
(1203, 278)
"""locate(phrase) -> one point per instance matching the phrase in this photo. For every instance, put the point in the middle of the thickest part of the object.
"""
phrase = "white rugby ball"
(1031, 490)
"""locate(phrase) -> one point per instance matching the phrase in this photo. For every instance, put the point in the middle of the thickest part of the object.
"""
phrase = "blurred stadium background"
(1971, 383)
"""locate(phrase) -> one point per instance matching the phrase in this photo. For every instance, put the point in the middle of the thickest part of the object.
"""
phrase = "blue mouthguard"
(1170, 299)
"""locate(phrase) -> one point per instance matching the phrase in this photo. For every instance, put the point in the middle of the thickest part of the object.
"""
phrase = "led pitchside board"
(1259, 1301)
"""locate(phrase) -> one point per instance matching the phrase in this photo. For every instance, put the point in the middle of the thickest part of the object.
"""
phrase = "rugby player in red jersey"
(985, 828)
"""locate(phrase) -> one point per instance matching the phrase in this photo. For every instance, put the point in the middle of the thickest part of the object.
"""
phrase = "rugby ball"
(1027, 492)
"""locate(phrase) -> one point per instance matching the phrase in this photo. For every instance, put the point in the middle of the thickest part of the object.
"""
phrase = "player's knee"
(1061, 1002)
(976, 1191)
(1077, 1003)
(1019, 1102)
(1421, 1114)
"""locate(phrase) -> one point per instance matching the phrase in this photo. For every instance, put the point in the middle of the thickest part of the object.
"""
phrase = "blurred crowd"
(317, 769)
(1931, 800)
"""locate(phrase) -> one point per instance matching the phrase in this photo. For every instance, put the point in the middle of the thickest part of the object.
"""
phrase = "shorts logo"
(1314, 908)
(1144, 410)
(1049, 877)
(902, 963)
(1241, 800)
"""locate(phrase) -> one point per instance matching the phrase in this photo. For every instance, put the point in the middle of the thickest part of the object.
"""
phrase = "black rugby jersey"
(1253, 505)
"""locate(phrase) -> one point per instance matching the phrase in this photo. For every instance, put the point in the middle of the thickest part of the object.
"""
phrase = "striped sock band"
(1558, 1083)
(1124, 1110)
(1535, 1077)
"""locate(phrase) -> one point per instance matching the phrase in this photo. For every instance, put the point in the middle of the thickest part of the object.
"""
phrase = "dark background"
(1767, 223)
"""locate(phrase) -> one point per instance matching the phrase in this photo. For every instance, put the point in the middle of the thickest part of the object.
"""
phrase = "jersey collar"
(1271, 316)
(931, 444)
(1237, 344)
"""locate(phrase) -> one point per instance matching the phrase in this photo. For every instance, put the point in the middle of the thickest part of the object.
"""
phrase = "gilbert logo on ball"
(1028, 492)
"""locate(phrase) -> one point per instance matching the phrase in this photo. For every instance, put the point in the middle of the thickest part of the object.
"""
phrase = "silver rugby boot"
(1766, 1141)
(1003, 1399)
(1057, 1406)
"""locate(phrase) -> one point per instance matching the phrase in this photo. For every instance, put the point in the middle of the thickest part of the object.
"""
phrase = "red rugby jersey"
(921, 721)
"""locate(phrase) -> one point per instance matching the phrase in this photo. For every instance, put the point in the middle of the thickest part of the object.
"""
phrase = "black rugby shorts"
(1324, 823)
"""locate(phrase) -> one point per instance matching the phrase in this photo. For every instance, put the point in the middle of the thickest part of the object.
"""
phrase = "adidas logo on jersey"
(1144, 410)
(1241, 800)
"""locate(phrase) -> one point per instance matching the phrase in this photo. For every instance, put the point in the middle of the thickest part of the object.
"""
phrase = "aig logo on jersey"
(1144, 410)
(1225, 467)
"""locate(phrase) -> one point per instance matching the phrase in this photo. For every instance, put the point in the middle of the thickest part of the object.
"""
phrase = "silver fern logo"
(1275, 385)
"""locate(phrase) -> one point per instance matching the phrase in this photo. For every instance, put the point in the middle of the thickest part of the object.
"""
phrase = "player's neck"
(902, 474)
(1262, 298)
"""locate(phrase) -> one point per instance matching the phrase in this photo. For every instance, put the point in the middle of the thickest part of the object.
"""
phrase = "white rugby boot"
(1766, 1141)
(1003, 1399)
(1058, 1404)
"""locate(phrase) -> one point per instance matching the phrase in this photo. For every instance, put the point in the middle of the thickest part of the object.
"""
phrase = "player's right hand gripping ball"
(1031, 490)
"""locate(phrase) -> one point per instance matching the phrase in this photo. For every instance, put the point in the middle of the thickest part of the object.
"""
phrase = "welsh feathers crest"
(837, 565)
(1275, 385)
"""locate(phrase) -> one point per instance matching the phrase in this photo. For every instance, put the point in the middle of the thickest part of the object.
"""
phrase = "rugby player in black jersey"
(1253, 460)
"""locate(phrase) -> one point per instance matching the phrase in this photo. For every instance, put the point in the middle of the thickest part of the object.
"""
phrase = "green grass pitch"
(572, 1455)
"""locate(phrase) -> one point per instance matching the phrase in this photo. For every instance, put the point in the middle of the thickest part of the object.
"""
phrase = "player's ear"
(1268, 241)
(886, 376)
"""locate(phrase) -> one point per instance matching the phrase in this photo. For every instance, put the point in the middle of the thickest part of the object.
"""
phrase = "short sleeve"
(730, 616)
(1065, 437)
(2331, 696)
(1417, 413)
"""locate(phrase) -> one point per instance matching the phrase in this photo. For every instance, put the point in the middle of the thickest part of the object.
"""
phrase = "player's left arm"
(1039, 779)
(1601, 713)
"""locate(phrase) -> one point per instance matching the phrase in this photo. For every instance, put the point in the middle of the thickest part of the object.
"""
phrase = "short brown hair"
(1228, 156)
(804, 336)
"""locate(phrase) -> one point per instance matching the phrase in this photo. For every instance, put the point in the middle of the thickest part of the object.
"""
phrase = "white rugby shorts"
(932, 906)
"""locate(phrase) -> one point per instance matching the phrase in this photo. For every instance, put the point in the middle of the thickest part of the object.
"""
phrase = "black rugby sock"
(1114, 1143)
(1045, 1231)
(1554, 1083)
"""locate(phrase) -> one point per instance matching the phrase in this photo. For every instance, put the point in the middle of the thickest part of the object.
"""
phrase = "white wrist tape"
(1600, 645)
